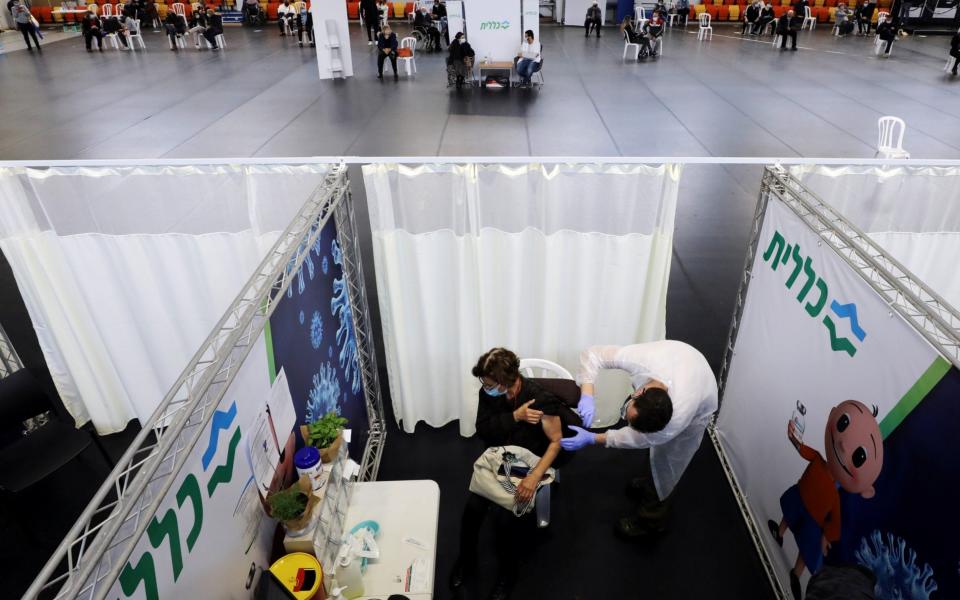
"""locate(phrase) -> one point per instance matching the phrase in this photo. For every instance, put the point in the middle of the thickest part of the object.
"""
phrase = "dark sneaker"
(775, 531)
(633, 528)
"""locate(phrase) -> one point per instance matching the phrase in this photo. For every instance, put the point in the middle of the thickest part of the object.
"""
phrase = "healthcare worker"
(675, 395)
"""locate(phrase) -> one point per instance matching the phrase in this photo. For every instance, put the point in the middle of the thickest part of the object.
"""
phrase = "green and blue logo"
(505, 24)
(779, 252)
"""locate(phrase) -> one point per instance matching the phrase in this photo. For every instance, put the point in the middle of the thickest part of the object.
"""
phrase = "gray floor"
(727, 97)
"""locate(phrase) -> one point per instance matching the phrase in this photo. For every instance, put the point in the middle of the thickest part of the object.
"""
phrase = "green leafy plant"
(288, 504)
(324, 431)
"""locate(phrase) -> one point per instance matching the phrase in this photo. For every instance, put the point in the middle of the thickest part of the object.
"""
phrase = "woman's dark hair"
(498, 364)
(654, 409)
(528, 32)
(458, 36)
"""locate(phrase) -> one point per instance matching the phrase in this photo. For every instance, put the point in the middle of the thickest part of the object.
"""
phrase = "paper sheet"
(262, 451)
(281, 409)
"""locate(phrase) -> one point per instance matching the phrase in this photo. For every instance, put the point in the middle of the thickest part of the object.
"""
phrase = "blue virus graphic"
(340, 305)
(329, 351)
(894, 564)
(325, 394)
(316, 330)
(308, 261)
(325, 265)
(301, 317)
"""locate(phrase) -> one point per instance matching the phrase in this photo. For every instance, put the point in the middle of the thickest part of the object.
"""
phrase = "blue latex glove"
(582, 439)
(587, 408)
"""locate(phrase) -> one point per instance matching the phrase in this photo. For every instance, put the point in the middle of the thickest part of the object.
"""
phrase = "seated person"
(175, 26)
(799, 11)
(251, 9)
(214, 27)
(459, 60)
(424, 23)
(766, 17)
(887, 31)
(198, 24)
(653, 29)
(594, 19)
(113, 25)
(305, 24)
(865, 20)
(682, 7)
(529, 58)
(955, 51)
(750, 17)
(512, 411)
(627, 27)
(386, 49)
(843, 20)
(285, 16)
(787, 28)
(92, 27)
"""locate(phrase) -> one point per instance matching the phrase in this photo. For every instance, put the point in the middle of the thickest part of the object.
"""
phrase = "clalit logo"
(495, 25)
(779, 252)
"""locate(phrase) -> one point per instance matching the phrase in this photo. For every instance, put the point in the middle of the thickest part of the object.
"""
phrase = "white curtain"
(911, 212)
(542, 259)
(125, 271)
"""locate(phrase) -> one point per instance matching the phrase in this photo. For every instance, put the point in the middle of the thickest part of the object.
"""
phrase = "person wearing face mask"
(593, 19)
(675, 395)
(512, 410)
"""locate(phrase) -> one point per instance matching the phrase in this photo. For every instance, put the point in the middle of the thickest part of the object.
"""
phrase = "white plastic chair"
(891, 128)
(542, 368)
(658, 46)
(134, 35)
(777, 40)
(879, 45)
(409, 62)
(180, 9)
(639, 14)
(882, 16)
(808, 19)
(181, 43)
(628, 46)
(118, 9)
(949, 64)
(106, 11)
(705, 28)
(219, 39)
(672, 15)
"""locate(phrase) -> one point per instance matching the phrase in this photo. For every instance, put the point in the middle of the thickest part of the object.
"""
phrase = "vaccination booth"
(840, 358)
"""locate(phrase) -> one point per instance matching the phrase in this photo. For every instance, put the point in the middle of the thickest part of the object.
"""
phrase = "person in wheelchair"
(251, 12)
(423, 23)
(512, 410)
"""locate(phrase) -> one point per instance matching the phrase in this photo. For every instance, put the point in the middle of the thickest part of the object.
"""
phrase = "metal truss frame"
(345, 216)
(99, 544)
(9, 360)
(932, 317)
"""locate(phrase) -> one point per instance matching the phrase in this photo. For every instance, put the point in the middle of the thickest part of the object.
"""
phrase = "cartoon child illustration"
(811, 508)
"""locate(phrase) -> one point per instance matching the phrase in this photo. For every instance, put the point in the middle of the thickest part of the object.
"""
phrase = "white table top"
(404, 509)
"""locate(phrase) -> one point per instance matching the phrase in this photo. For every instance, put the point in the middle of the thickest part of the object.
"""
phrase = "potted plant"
(326, 433)
(293, 506)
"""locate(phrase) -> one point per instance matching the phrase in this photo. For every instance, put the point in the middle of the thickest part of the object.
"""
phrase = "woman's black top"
(496, 427)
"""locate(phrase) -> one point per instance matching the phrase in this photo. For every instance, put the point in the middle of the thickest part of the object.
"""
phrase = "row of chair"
(734, 12)
(398, 10)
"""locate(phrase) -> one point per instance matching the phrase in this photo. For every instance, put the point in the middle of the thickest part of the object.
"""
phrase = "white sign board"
(332, 34)
(455, 22)
(813, 336)
(531, 17)
(211, 533)
(494, 28)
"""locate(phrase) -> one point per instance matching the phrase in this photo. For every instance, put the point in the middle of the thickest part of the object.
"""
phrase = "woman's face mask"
(493, 389)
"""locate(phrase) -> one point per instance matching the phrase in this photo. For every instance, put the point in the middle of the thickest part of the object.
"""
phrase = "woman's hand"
(528, 415)
(527, 488)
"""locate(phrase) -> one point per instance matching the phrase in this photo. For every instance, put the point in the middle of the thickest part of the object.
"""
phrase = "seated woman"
(459, 61)
(627, 27)
(512, 410)
(843, 20)
(653, 30)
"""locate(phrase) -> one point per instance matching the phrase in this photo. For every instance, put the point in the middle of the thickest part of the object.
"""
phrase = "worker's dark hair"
(529, 32)
(498, 364)
(654, 409)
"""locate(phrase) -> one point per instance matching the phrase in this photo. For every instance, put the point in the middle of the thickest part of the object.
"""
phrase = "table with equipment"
(494, 67)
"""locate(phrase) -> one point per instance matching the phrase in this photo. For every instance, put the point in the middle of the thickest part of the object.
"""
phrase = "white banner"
(332, 33)
(211, 533)
(494, 28)
(531, 17)
(455, 23)
(814, 335)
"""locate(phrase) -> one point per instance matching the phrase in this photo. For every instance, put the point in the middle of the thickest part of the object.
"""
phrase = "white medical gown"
(693, 392)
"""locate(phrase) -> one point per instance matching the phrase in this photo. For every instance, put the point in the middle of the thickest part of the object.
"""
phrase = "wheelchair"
(256, 17)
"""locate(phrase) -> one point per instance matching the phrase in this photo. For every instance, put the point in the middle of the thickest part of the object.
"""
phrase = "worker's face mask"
(628, 402)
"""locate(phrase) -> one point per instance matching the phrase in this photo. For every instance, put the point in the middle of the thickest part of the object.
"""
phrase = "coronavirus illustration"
(308, 261)
(329, 351)
(325, 265)
(325, 393)
(301, 317)
(340, 306)
(899, 577)
(316, 330)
